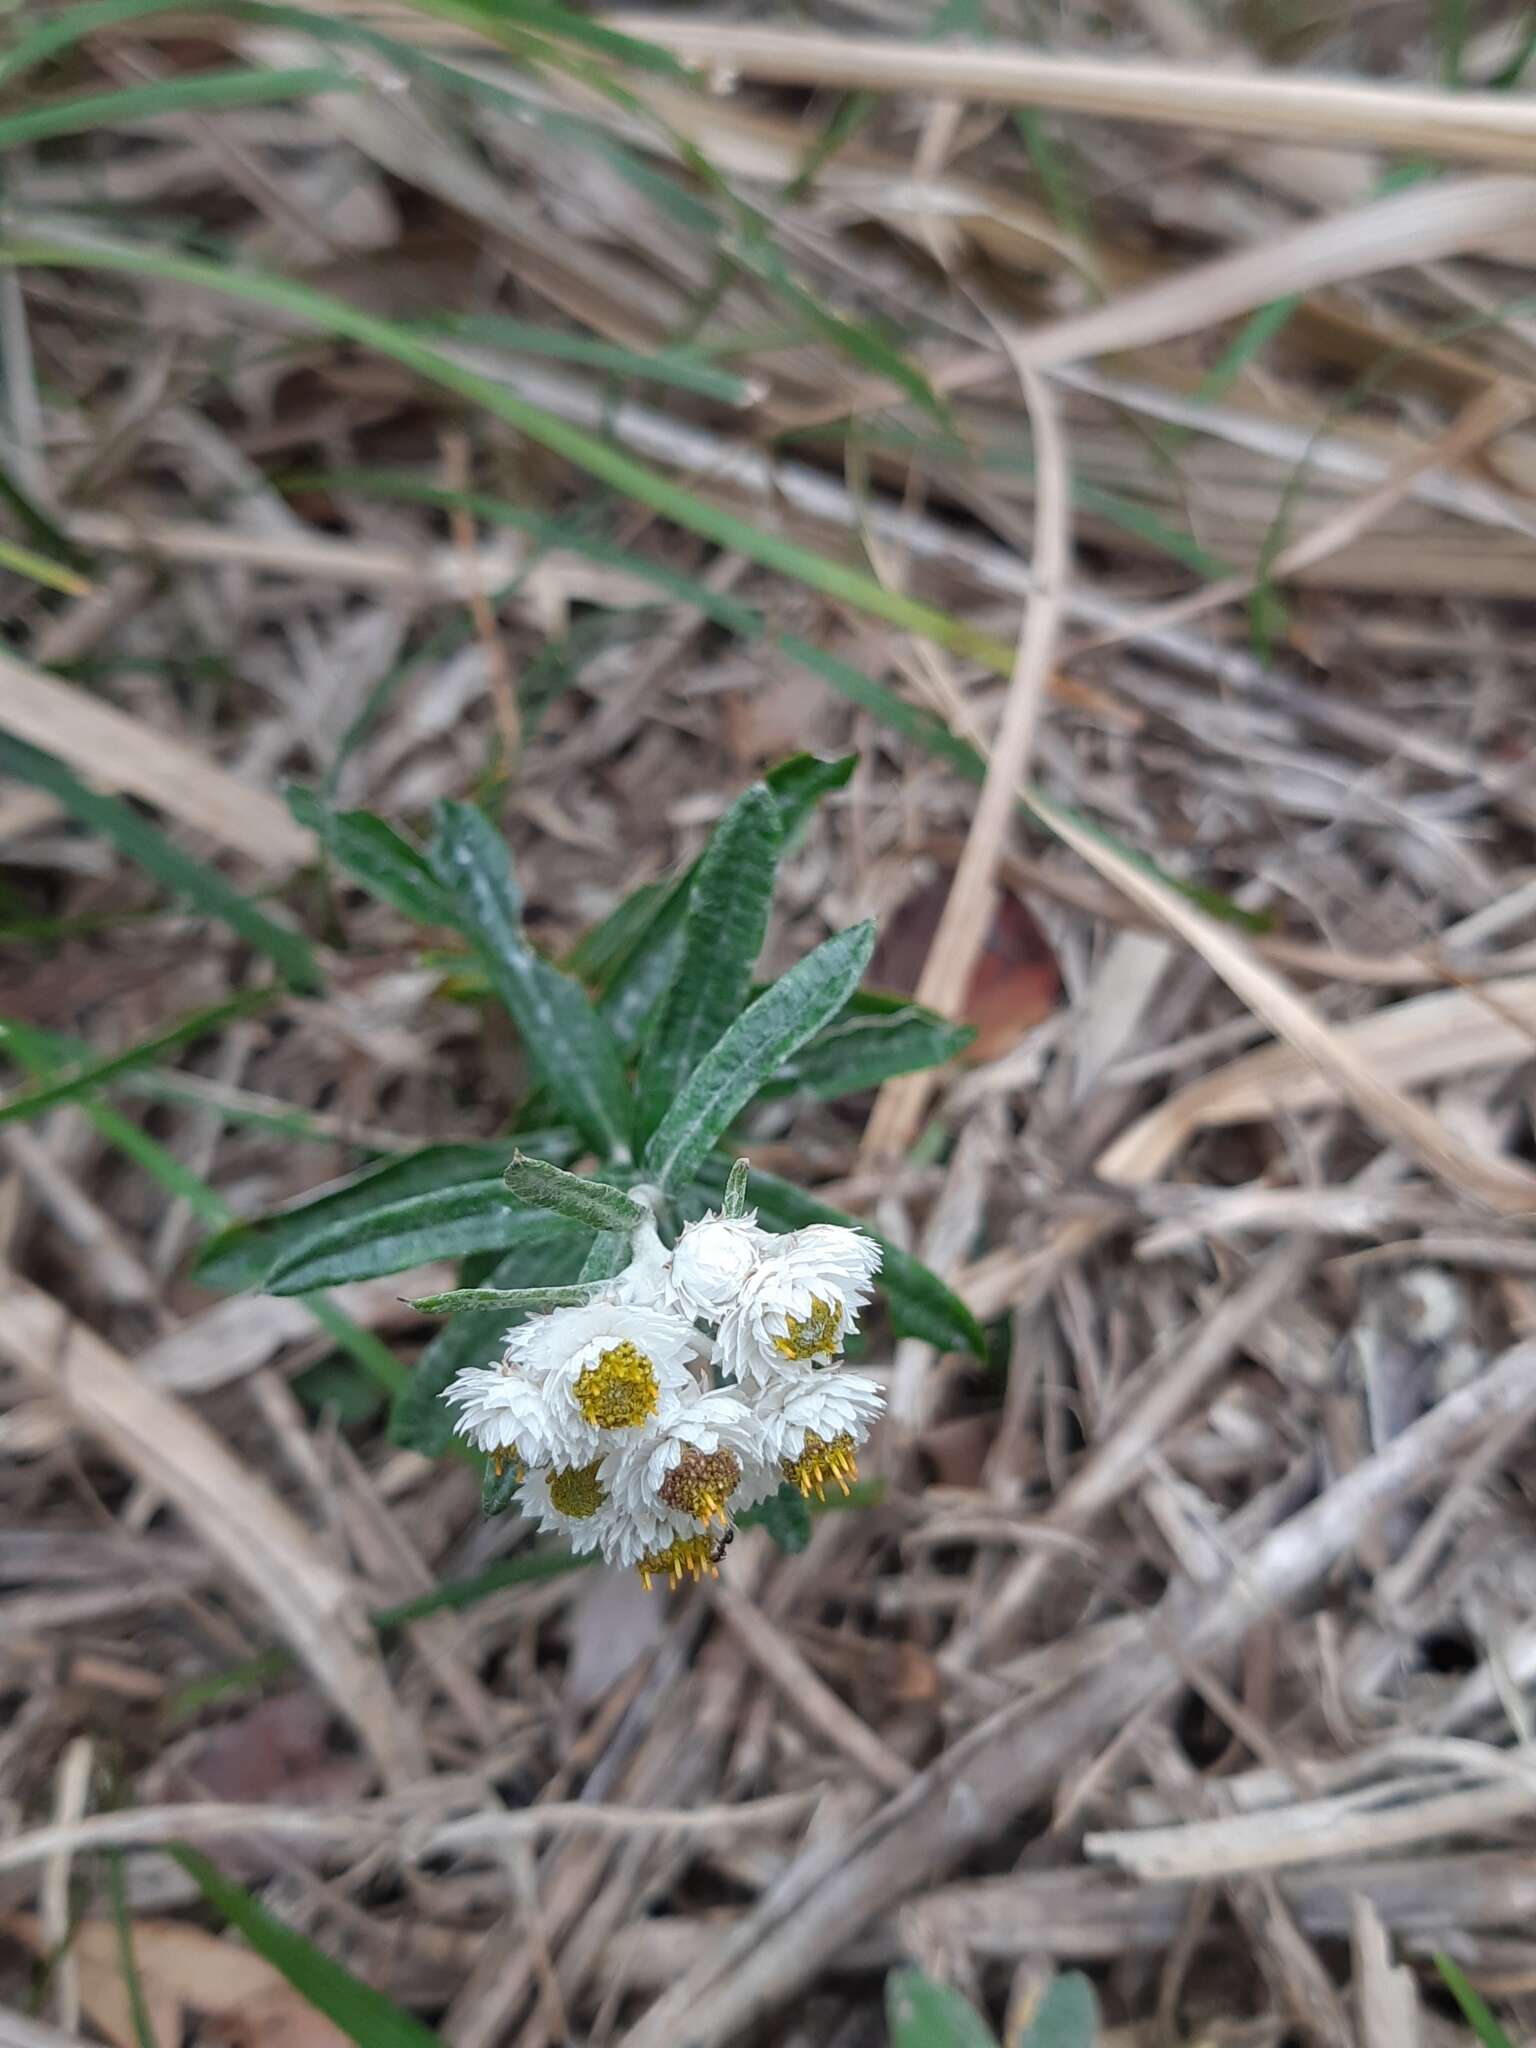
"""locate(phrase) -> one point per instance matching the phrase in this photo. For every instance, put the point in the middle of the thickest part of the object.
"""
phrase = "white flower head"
(504, 1410)
(799, 1303)
(687, 1464)
(607, 1368)
(712, 1260)
(812, 1424)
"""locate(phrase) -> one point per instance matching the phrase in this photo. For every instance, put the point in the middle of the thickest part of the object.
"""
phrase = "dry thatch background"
(1193, 1646)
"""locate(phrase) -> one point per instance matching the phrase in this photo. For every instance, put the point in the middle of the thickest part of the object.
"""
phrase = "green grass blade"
(587, 451)
(94, 1074)
(1476, 2014)
(756, 1045)
(42, 569)
(127, 1961)
(446, 1223)
(568, 1043)
(205, 92)
(723, 929)
(364, 2015)
(142, 842)
(681, 368)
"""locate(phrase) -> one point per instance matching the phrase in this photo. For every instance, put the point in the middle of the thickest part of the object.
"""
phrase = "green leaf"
(592, 1202)
(127, 1961)
(327, 314)
(364, 2015)
(549, 1252)
(609, 1255)
(446, 1223)
(568, 1043)
(243, 1254)
(507, 1300)
(757, 1044)
(133, 835)
(1476, 2014)
(684, 368)
(1067, 2016)
(735, 1202)
(860, 1051)
(375, 855)
(920, 1304)
(786, 1515)
(203, 92)
(498, 1490)
(723, 928)
(799, 784)
(94, 1074)
(922, 2014)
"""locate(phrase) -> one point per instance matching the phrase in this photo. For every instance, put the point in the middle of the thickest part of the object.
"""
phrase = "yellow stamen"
(620, 1391)
(700, 1484)
(688, 1557)
(575, 1490)
(503, 1462)
(819, 1461)
(811, 1336)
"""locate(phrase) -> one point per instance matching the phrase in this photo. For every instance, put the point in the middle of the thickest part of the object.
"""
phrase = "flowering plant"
(640, 1356)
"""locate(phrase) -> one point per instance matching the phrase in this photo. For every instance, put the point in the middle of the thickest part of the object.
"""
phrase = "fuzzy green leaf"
(376, 855)
(568, 1043)
(922, 2014)
(547, 1252)
(1067, 2015)
(447, 1223)
(723, 928)
(498, 1490)
(735, 1202)
(539, 1185)
(243, 1254)
(756, 1045)
(363, 2014)
(506, 1300)
(860, 1050)
(919, 1302)
(786, 1515)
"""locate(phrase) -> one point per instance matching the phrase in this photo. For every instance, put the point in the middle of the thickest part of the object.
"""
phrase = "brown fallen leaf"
(184, 1973)
(1015, 985)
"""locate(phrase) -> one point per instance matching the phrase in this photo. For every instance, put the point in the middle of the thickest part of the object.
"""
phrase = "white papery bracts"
(626, 1446)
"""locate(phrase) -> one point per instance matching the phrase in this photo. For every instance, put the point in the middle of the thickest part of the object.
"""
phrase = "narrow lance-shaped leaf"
(569, 1045)
(377, 856)
(448, 1223)
(735, 1203)
(498, 1485)
(919, 1302)
(362, 2014)
(244, 1253)
(592, 1202)
(504, 1300)
(201, 885)
(860, 1051)
(723, 928)
(547, 1251)
(735, 1068)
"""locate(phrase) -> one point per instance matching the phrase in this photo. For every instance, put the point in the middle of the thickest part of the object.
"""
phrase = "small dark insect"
(721, 1545)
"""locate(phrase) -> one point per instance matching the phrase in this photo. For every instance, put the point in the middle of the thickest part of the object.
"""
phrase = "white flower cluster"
(610, 1410)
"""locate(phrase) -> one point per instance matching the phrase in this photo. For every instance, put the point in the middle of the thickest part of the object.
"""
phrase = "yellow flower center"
(620, 1391)
(575, 1490)
(690, 1557)
(701, 1482)
(820, 1461)
(809, 1336)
